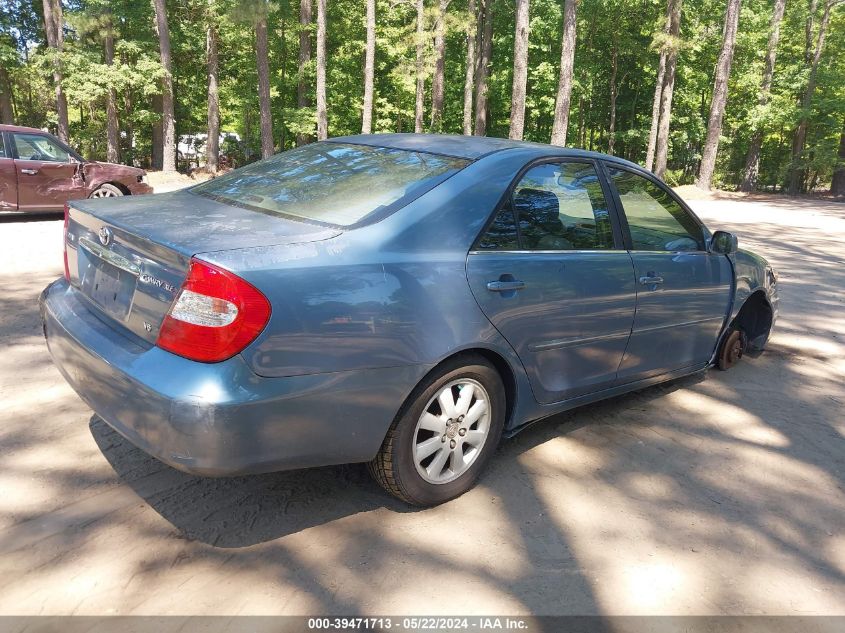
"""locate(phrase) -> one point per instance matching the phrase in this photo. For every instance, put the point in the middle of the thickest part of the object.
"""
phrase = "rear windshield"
(333, 183)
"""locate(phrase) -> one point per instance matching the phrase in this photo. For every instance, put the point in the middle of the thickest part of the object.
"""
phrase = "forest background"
(734, 94)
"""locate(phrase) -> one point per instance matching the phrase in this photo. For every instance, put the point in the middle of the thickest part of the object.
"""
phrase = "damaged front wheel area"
(732, 348)
(106, 191)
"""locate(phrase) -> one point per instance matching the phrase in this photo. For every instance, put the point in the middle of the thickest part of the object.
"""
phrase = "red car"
(40, 173)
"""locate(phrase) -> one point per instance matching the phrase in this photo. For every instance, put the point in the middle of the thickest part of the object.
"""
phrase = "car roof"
(19, 128)
(466, 147)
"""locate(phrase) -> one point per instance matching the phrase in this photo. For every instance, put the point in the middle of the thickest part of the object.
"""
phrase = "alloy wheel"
(451, 431)
(102, 192)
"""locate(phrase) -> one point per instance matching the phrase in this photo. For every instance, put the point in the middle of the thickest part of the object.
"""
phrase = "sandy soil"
(715, 496)
(162, 182)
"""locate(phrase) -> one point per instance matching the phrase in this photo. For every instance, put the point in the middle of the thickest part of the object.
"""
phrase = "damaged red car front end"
(40, 173)
(97, 174)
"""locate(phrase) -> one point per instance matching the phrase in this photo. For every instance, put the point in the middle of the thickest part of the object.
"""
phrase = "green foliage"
(633, 28)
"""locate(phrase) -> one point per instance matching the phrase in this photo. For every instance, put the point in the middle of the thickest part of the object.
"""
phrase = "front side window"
(333, 183)
(560, 207)
(656, 221)
(37, 147)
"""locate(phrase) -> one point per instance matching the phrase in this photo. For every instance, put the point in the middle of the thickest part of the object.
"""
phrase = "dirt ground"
(162, 182)
(717, 496)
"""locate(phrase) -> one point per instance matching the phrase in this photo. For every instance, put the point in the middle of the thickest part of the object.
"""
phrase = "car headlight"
(142, 177)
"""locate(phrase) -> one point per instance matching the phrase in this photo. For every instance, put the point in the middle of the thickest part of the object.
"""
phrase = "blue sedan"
(402, 300)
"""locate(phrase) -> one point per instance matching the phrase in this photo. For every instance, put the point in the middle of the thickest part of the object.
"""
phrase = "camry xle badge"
(146, 278)
(105, 235)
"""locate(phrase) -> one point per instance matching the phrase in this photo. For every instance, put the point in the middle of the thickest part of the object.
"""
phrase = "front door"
(683, 291)
(48, 176)
(552, 276)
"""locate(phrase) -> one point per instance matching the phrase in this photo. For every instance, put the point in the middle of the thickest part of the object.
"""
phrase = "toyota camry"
(401, 300)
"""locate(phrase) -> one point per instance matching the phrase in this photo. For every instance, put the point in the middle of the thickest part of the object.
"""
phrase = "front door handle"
(651, 280)
(505, 286)
(30, 172)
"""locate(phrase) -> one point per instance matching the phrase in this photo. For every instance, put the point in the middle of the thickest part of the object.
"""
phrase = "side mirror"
(723, 243)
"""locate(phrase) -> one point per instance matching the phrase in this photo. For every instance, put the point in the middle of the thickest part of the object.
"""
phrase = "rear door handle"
(30, 172)
(651, 280)
(505, 286)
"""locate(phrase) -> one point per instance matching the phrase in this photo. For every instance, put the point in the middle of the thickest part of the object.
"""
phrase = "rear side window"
(557, 207)
(333, 183)
(501, 236)
(656, 221)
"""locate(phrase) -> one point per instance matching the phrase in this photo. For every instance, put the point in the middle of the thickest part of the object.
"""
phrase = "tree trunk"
(322, 115)
(157, 157)
(212, 143)
(53, 28)
(483, 68)
(808, 31)
(752, 159)
(582, 121)
(837, 185)
(112, 126)
(369, 69)
(469, 76)
(720, 96)
(631, 148)
(130, 128)
(302, 100)
(564, 85)
(283, 96)
(439, 67)
(420, 62)
(168, 118)
(611, 128)
(661, 150)
(6, 114)
(796, 171)
(520, 71)
(263, 64)
(658, 94)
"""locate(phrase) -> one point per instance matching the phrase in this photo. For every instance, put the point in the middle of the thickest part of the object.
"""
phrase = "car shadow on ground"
(234, 512)
(8, 218)
(241, 511)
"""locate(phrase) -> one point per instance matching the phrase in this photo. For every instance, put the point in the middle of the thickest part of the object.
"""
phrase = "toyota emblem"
(105, 235)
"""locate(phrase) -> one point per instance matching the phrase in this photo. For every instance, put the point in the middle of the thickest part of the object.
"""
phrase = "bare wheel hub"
(732, 350)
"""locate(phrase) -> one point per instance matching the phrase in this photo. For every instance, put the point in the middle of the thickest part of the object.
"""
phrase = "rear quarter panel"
(389, 294)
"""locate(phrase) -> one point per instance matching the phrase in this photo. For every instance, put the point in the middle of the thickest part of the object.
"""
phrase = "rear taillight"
(215, 316)
(64, 240)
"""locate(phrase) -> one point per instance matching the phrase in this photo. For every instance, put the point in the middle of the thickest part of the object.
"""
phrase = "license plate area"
(109, 287)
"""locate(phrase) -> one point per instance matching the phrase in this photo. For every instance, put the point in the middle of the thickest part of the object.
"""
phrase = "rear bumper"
(219, 419)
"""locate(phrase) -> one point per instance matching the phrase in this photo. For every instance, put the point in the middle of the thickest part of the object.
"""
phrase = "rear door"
(48, 175)
(683, 291)
(552, 275)
(8, 178)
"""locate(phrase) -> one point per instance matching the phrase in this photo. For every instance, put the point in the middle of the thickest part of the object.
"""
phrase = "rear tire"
(444, 435)
(106, 190)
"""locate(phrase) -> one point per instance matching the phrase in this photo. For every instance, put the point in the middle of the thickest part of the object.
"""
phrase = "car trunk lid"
(129, 256)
